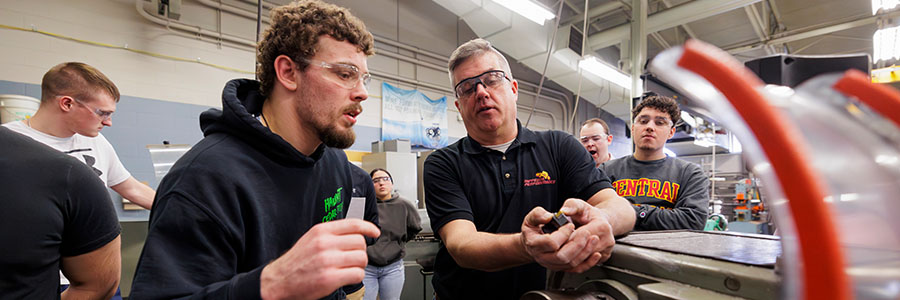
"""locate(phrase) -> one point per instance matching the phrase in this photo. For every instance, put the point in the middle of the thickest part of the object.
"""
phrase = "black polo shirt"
(495, 191)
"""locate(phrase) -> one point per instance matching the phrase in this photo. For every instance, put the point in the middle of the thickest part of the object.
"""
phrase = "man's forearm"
(143, 197)
(619, 213)
(490, 252)
(136, 192)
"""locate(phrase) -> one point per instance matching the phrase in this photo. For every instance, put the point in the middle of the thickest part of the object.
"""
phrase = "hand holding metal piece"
(558, 220)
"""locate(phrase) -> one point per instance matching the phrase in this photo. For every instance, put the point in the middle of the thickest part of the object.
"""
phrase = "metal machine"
(747, 212)
(829, 153)
(677, 265)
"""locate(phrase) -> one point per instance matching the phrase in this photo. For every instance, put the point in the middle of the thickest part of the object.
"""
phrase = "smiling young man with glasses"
(489, 193)
(595, 138)
(666, 192)
(256, 209)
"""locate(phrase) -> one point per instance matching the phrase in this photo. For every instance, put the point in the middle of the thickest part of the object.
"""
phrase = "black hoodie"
(236, 201)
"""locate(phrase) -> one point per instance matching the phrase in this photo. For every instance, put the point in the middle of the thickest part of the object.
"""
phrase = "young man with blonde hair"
(256, 208)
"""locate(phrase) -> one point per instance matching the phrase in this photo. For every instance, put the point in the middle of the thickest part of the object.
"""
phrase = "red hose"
(820, 251)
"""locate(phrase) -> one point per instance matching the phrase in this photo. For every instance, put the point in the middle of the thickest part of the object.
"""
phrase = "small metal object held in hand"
(558, 220)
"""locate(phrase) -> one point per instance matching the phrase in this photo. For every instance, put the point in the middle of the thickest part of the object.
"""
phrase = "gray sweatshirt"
(399, 223)
(667, 194)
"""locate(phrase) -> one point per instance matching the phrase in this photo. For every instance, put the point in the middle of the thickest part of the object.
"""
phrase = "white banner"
(409, 114)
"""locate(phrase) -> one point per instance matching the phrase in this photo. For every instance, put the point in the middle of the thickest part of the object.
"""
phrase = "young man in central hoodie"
(256, 208)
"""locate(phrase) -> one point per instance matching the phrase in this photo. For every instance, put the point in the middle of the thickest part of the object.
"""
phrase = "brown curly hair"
(661, 103)
(295, 31)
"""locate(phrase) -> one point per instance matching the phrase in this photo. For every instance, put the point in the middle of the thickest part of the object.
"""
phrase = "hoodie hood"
(241, 105)
(394, 196)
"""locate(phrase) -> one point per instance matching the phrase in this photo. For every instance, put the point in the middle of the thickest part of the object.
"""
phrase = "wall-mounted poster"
(409, 114)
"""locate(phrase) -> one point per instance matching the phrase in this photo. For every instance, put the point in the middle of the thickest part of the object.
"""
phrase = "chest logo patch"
(333, 205)
(541, 178)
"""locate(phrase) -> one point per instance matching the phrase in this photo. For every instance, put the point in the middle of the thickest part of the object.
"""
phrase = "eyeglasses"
(490, 79)
(658, 121)
(376, 180)
(104, 115)
(345, 75)
(596, 138)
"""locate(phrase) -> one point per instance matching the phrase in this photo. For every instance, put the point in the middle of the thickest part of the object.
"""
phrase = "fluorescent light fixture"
(886, 5)
(528, 9)
(605, 71)
(885, 44)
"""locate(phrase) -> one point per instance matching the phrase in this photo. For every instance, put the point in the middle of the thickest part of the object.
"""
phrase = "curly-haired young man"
(256, 208)
(666, 192)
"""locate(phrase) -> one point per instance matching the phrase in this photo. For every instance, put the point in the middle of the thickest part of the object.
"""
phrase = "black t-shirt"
(495, 191)
(53, 206)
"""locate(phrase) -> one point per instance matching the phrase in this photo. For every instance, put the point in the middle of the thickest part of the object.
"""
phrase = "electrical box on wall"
(168, 8)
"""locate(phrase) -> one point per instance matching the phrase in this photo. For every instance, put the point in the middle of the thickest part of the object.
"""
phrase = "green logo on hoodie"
(333, 205)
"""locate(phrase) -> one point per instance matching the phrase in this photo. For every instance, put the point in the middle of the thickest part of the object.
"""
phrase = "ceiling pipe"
(417, 50)
(675, 16)
(805, 33)
(265, 4)
(234, 10)
(597, 11)
(411, 60)
(753, 15)
(200, 33)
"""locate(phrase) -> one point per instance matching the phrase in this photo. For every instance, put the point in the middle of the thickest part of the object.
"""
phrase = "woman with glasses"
(399, 223)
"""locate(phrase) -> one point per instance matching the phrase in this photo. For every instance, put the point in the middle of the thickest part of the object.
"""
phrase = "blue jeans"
(386, 282)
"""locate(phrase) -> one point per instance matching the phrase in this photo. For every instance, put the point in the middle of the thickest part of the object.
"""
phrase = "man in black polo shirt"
(489, 193)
